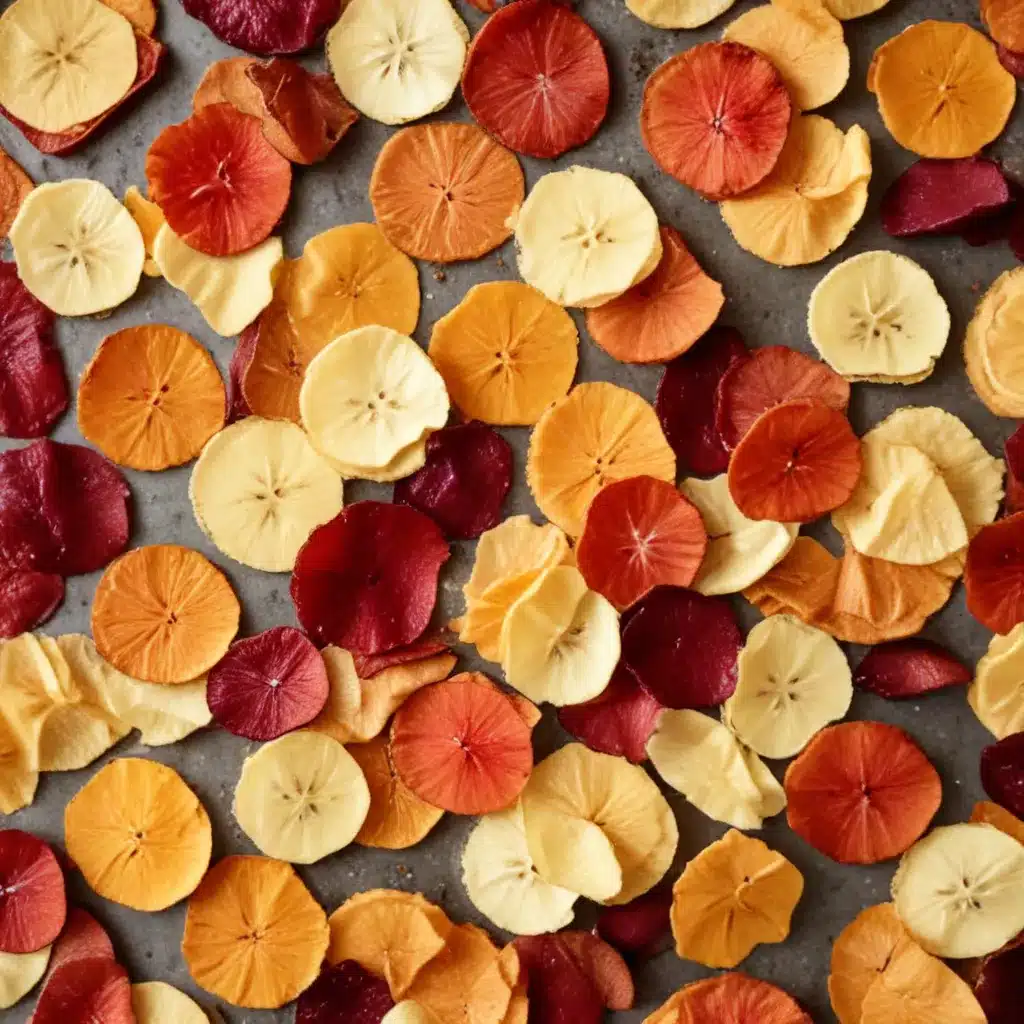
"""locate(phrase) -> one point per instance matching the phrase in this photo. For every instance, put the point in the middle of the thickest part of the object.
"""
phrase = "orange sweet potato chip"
(992, 814)
(15, 184)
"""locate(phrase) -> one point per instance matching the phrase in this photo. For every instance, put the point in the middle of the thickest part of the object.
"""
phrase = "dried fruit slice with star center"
(33, 906)
(272, 26)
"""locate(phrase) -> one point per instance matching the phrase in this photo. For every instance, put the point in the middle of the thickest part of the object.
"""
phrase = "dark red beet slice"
(994, 574)
(464, 481)
(268, 684)
(27, 599)
(640, 928)
(1002, 773)
(33, 905)
(83, 938)
(266, 26)
(33, 391)
(619, 722)
(999, 986)
(603, 965)
(559, 990)
(369, 665)
(367, 580)
(344, 994)
(682, 647)
(85, 991)
(686, 401)
(907, 668)
(1011, 60)
(245, 350)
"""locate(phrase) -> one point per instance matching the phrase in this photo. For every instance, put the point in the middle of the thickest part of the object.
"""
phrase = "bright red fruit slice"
(85, 991)
(994, 574)
(537, 79)
(682, 647)
(639, 928)
(369, 665)
(346, 993)
(1002, 773)
(83, 938)
(266, 26)
(32, 901)
(716, 118)
(220, 184)
(367, 580)
(1000, 985)
(27, 599)
(1014, 454)
(268, 684)
(558, 987)
(908, 668)
(245, 350)
(736, 998)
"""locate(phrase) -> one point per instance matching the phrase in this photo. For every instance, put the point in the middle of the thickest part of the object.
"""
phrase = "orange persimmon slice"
(254, 936)
(15, 184)
(164, 614)
(151, 397)
(992, 814)
(445, 191)
(138, 834)
(732, 998)
(665, 314)
(1005, 22)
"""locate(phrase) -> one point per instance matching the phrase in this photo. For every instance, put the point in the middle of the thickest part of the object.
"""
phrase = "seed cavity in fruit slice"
(275, 26)
(909, 668)
(996, 695)
(33, 906)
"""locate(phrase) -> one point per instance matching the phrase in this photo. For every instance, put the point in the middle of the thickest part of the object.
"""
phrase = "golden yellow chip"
(156, 1002)
(150, 219)
(997, 694)
(993, 346)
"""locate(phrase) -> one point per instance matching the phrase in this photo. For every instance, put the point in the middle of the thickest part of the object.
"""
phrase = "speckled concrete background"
(766, 304)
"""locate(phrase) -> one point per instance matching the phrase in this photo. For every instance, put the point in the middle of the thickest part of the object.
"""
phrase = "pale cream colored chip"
(259, 489)
(156, 1002)
(150, 219)
(958, 890)
(409, 1012)
(678, 13)
(404, 464)
(370, 394)
(740, 550)
(302, 797)
(846, 10)
(702, 759)
(879, 317)
(500, 879)
(792, 681)
(560, 640)
(994, 346)
(586, 236)
(398, 60)
(77, 248)
(230, 291)
(20, 973)
(63, 62)
(997, 693)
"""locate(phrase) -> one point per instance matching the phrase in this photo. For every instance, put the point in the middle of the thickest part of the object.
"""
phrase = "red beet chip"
(1011, 60)
(464, 481)
(245, 350)
(32, 901)
(27, 599)
(603, 965)
(620, 721)
(266, 26)
(537, 79)
(83, 938)
(999, 986)
(771, 376)
(1002, 773)
(92, 990)
(33, 391)
(686, 401)
(367, 580)
(369, 665)
(994, 574)
(682, 647)
(908, 668)
(268, 684)
(344, 994)
(558, 988)
(639, 928)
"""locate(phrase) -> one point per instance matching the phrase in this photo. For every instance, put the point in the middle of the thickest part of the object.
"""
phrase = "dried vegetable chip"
(638, 928)
(344, 988)
(138, 834)
(254, 936)
(941, 90)
(15, 184)
(20, 973)
(989, 813)
(150, 219)
(991, 348)
(272, 26)
(154, 1002)
(732, 997)
(716, 117)
(994, 574)
(678, 13)
(733, 896)
(185, 614)
(537, 79)
(996, 695)
(1002, 772)
(998, 986)
(27, 599)
(909, 668)
(33, 906)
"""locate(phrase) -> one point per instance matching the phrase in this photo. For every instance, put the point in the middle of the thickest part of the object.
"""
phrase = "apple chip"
(992, 347)
(156, 1002)
(997, 694)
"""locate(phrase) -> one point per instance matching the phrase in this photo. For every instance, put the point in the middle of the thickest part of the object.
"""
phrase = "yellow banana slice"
(678, 13)
(585, 236)
(792, 681)
(993, 351)
(259, 489)
(150, 219)
(957, 891)
(398, 60)
(20, 973)
(879, 317)
(703, 760)
(301, 797)
(740, 550)
(996, 695)
(370, 394)
(156, 1002)
(77, 248)
(404, 464)
(502, 883)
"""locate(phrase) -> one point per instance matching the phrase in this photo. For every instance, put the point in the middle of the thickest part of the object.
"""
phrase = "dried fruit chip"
(600, 962)
(154, 1002)
(408, 1012)
(347, 989)
(1002, 772)
(406, 462)
(1003, 20)
(227, 81)
(93, 988)
(273, 26)
(15, 184)
(994, 574)
(20, 973)
(254, 936)
(558, 986)
(730, 997)
(141, 13)
(83, 938)
(638, 928)
(150, 219)
(370, 665)
(241, 358)
(991, 348)
(909, 668)
(716, 117)
(678, 13)
(33, 906)
(998, 986)
(996, 695)
(1013, 452)
(27, 599)
(537, 79)
(992, 814)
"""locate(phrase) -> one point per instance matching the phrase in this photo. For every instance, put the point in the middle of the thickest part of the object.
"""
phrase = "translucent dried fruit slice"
(150, 219)
(732, 897)
(1002, 772)
(998, 986)
(33, 906)
(407, 461)
(85, 989)
(537, 79)
(155, 1001)
(185, 614)
(994, 574)
(27, 600)
(716, 117)
(344, 989)
(254, 936)
(15, 184)
(909, 668)
(558, 987)
(732, 997)
(996, 695)
(485, 616)
(275, 26)
(20, 973)
(678, 13)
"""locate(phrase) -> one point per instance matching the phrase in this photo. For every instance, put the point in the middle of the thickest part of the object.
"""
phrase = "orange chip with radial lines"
(732, 998)
(15, 184)
(999, 817)
(151, 397)
(272, 378)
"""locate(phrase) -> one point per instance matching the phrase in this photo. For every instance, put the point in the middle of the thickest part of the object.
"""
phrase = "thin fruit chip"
(408, 1012)
(1013, 455)
(558, 988)
(83, 938)
(271, 26)
(598, 961)
(537, 79)
(141, 13)
(996, 695)
(992, 814)
(991, 348)
(241, 359)
(85, 990)
(370, 665)
(733, 997)
(846, 10)
(994, 574)
(344, 994)
(154, 1002)
(150, 219)
(1002, 773)
(902, 669)
(1004, 20)
(15, 184)
(27, 599)
(678, 13)
(999, 988)
(638, 929)
(33, 906)
(20, 973)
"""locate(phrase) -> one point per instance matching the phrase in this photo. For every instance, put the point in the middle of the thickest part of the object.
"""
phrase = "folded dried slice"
(150, 220)
(734, 997)
(909, 668)
(280, 28)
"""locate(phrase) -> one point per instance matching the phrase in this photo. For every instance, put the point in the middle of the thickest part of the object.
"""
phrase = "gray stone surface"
(766, 303)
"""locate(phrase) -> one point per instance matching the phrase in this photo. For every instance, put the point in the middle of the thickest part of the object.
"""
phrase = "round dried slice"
(559, 987)
(716, 117)
(184, 614)
(994, 574)
(155, 1002)
(1002, 773)
(600, 963)
(138, 834)
(88, 988)
(33, 906)
(954, 890)
(259, 489)
(406, 462)
(77, 248)
(281, 27)
(585, 236)
(678, 13)
(909, 668)
(792, 680)
(151, 397)
(537, 79)
(15, 184)
(798, 461)
(20, 973)
(394, 63)
(992, 348)
(996, 695)
(345, 989)
(730, 997)
(254, 935)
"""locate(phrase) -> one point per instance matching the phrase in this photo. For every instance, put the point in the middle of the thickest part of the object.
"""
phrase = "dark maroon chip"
(686, 401)
(268, 684)
(464, 482)
(682, 647)
(33, 905)
(999, 986)
(33, 391)
(908, 668)
(639, 929)
(1011, 60)
(344, 994)
(266, 26)
(369, 665)
(27, 599)
(367, 580)
(1002, 773)
(558, 988)
(245, 350)
(603, 965)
